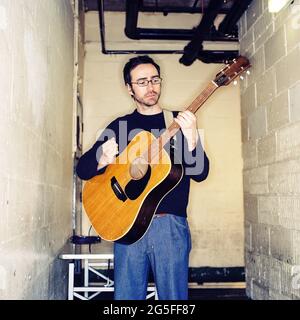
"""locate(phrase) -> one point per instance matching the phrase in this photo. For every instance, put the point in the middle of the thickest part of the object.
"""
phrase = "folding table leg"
(86, 276)
(71, 282)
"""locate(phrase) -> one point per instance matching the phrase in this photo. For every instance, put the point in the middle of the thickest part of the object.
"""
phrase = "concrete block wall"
(270, 111)
(36, 78)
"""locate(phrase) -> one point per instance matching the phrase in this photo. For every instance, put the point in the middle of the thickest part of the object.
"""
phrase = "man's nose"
(150, 85)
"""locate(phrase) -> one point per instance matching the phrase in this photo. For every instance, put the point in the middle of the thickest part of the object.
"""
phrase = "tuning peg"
(248, 72)
(235, 82)
(241, 77)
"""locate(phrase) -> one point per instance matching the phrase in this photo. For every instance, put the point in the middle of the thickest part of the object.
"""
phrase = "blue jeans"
(165, 248)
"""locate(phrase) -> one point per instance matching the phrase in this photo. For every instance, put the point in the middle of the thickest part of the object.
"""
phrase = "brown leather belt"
(160, 215)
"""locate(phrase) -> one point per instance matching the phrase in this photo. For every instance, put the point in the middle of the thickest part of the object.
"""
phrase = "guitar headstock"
(232, 70)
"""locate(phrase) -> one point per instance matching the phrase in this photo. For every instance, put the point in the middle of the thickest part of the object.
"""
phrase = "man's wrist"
(100, 166)
(102, 162)
(192, 142)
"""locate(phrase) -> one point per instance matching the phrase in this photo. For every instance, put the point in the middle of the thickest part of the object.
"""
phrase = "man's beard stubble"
(144, 102)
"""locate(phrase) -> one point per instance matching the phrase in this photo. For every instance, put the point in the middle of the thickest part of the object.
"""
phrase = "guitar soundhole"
(138, 168)
(135, 188)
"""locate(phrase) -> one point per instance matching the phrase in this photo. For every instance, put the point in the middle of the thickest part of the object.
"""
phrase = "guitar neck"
(193, 107)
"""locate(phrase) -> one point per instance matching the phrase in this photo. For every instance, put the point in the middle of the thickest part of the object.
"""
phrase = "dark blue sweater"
(195, 163)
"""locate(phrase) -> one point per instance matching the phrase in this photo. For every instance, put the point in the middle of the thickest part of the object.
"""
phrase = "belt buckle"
(158, 215)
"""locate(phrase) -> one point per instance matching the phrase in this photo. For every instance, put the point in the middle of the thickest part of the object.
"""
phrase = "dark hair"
(133, 63)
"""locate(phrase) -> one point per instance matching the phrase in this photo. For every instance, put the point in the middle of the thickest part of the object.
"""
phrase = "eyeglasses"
(145, 82)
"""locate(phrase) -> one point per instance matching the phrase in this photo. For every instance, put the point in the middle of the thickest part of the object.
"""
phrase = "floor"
(205, 291)
(202, 294)
(199, 294)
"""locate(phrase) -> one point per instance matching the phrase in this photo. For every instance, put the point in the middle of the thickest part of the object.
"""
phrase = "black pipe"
(229, 23)
(90, 6)
(217, 56)
(132, 13)
(102, 25)
(132, 32)
(209, 56)
(166, 10)
(192, 50)
(102, 39)
(178, 34)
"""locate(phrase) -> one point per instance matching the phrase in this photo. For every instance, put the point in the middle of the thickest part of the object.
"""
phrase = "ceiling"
(157, 5)
(226, 31)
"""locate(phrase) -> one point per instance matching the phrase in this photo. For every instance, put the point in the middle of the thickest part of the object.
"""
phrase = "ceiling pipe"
(132, 13)
(133, 32)
(208, 53)
(229, 24)
(126, 51)
(167, 10)
(217, 56)
(207, 56)
(193, 49)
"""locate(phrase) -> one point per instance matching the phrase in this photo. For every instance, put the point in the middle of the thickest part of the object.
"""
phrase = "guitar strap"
(168, 115)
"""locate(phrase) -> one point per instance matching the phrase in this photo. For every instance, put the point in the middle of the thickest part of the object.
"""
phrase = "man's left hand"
(188, 124)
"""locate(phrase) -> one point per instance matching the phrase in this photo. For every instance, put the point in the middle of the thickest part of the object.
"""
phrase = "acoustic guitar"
(122, 201)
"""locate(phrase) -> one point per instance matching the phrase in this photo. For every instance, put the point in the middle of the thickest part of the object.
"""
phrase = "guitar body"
(119, 203)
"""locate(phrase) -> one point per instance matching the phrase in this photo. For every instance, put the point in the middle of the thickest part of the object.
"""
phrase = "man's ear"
(129, 89)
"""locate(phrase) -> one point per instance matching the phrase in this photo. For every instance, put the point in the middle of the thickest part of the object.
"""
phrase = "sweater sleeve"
(88, 162)
(195, 162)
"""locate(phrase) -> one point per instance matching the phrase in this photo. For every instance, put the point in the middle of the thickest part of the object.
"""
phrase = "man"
(166, 245)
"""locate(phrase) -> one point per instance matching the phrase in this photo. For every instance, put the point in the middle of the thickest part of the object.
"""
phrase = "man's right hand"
(109, 152)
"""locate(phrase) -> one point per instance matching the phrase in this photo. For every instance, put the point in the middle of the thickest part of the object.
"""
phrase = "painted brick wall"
(271, 148)
(36, 54)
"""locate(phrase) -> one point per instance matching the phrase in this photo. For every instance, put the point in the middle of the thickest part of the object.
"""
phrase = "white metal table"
(96, 258)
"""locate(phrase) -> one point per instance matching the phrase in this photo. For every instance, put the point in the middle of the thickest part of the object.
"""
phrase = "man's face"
(147, 96)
